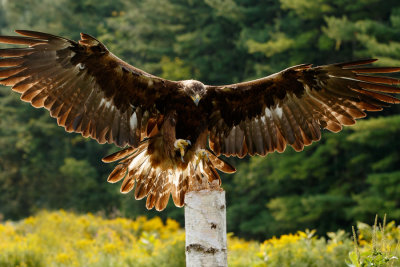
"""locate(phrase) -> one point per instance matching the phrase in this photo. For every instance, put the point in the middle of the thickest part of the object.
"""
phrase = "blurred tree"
(353, 174)
(66, 18)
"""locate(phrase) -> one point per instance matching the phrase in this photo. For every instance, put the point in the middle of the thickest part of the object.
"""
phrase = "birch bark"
(205, 226)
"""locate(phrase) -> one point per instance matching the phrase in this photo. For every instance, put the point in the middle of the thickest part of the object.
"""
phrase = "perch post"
(205, 226)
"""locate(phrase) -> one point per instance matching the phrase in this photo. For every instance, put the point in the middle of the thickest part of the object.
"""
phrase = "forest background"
(344, 178)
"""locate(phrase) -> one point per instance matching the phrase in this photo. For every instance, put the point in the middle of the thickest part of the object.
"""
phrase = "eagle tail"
(135, 167)
(157, 184)
(219, 163)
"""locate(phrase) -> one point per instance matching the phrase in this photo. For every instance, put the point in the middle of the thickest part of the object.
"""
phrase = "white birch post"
(205, 226)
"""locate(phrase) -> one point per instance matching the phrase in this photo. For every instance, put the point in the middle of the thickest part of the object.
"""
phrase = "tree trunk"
(205, 225)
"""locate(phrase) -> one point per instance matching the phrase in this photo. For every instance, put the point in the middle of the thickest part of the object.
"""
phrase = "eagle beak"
(196, 99)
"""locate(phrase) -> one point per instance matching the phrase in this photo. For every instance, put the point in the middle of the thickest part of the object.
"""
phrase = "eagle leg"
(181, 144)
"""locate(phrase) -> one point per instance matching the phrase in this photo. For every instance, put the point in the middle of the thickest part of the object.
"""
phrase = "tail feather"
(118, 173)
(134, 171)
(149, 184)
(142, 182)
(118, 155)
(128, 184)
(163, 196)
(211, 173)
(151, 198)
(157, 184)
(220, 164)
(157, 190)
(179, 189)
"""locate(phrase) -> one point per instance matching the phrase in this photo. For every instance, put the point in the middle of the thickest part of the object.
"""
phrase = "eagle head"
(195, 89)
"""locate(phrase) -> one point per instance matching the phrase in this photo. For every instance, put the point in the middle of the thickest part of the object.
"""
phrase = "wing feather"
(83, 85)
(292, 106)
(378, 79)
(299, 143)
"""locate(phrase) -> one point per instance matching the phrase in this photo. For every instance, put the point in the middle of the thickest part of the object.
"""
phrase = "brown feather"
(44, 36)
(376, 70)
(128, 183)
(151, 197)
(357, 62)
(141, 181)
(211, 173)
(54, 69)
(379, 87)
(55, 109)
(20, 40)
(16, 52)
(257, 137)
(368, 107)
(248, 139)
(265, 134)
(162, 200)
(6, 73)
(29, 94)
(298, 145)
(156, 192)
(221, 164)
(382, 97)
(21, 87)
(178, 191)
(281, 145)
(378, 79)
(300, 117)
(151, 179)
(38, 100)
(151, 200)
(333, 103)
(119, 155)
(271, 129)
(11, 62)
(118, 173)
(314, 111)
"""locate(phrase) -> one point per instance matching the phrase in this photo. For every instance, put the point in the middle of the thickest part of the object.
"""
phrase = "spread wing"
(83, 85)
(292, 106)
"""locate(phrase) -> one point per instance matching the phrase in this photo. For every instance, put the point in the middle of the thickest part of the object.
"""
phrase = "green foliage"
(174, 69)
(345, 177)
(62, 238)
(279, 43)
(306, 249)
(379, 251)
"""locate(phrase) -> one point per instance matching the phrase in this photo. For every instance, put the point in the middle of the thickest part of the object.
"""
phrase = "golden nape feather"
(165, 125)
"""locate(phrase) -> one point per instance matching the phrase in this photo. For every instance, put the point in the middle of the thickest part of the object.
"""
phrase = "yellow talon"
(201, 154)
(181, 144)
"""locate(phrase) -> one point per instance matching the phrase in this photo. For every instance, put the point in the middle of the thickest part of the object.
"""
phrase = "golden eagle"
(166, 124)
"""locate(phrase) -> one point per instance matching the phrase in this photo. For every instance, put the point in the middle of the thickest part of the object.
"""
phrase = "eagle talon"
(201, 154)
(181, 145)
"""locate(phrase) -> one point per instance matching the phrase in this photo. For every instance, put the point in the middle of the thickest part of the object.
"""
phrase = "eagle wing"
(87, 88)
(292, 106)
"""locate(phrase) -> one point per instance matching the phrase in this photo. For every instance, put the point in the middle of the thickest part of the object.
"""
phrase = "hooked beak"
(196, 99)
